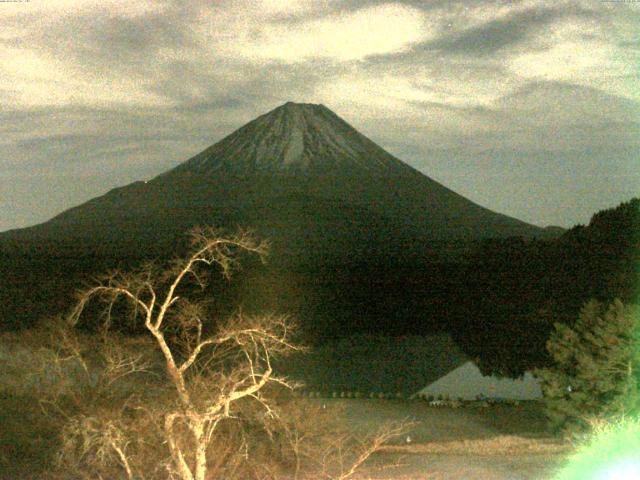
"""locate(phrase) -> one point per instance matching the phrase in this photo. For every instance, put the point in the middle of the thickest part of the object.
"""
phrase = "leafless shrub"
(213, 410)
(318, 443)
(97, 442)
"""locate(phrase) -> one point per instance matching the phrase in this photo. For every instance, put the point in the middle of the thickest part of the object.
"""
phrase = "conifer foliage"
(596, 367)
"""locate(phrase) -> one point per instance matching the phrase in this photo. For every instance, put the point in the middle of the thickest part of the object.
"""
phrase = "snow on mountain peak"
(294, 137)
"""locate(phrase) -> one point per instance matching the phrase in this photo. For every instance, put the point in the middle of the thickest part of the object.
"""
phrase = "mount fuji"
(360, 241)
(298, 175)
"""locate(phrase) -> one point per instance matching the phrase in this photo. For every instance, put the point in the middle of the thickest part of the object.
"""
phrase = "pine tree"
(596, 367)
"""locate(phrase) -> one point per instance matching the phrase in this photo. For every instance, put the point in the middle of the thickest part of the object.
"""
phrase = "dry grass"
(502, 442)
(499, 445)
(504, 457)
(303, 437)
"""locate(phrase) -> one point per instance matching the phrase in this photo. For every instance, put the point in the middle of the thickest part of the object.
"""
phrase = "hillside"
(515, 290)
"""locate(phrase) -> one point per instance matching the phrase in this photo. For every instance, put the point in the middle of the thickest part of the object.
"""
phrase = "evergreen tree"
(596, 367)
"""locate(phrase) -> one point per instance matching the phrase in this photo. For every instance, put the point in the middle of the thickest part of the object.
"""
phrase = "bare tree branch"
(211, 377)
(255, 340)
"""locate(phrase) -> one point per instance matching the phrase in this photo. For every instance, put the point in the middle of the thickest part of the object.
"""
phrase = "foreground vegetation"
(184, 396)
(439, 440)
(611, 451)
(595, 374)
(193, 398)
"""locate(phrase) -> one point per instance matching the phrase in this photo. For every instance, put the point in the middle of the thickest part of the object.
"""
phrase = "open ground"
(499, 442)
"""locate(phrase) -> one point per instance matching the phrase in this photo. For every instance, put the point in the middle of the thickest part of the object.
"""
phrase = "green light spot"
(613, 453)
(625, 470)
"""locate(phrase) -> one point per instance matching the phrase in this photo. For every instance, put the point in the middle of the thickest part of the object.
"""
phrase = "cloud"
(114, 90)
(291, 7)
(36, 80)
(588, 62)
(86, 52)
(351, 35)
(591, 50)
(120, 8)
(398, 94)
(59, 59)
(496, 34)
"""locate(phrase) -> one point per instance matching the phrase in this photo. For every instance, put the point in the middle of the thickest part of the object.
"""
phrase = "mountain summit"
(294, 138)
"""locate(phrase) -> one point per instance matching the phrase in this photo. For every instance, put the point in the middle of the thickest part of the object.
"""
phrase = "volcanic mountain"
(298, 175)
(360, 241)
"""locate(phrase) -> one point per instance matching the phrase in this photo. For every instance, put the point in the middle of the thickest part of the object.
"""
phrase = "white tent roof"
(467, 382)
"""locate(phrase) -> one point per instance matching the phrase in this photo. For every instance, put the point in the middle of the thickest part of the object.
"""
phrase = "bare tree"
(209, 374)
(197, 399)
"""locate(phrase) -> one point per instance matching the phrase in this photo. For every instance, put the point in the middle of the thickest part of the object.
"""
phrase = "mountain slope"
(300, 138)
(299, 175)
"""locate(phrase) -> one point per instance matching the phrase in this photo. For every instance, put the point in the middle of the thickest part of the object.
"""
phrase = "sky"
(530, 108)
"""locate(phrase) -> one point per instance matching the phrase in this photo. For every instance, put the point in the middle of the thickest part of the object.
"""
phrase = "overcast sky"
(529, 108)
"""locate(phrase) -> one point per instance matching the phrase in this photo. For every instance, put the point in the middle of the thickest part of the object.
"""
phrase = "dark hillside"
(517, 289)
